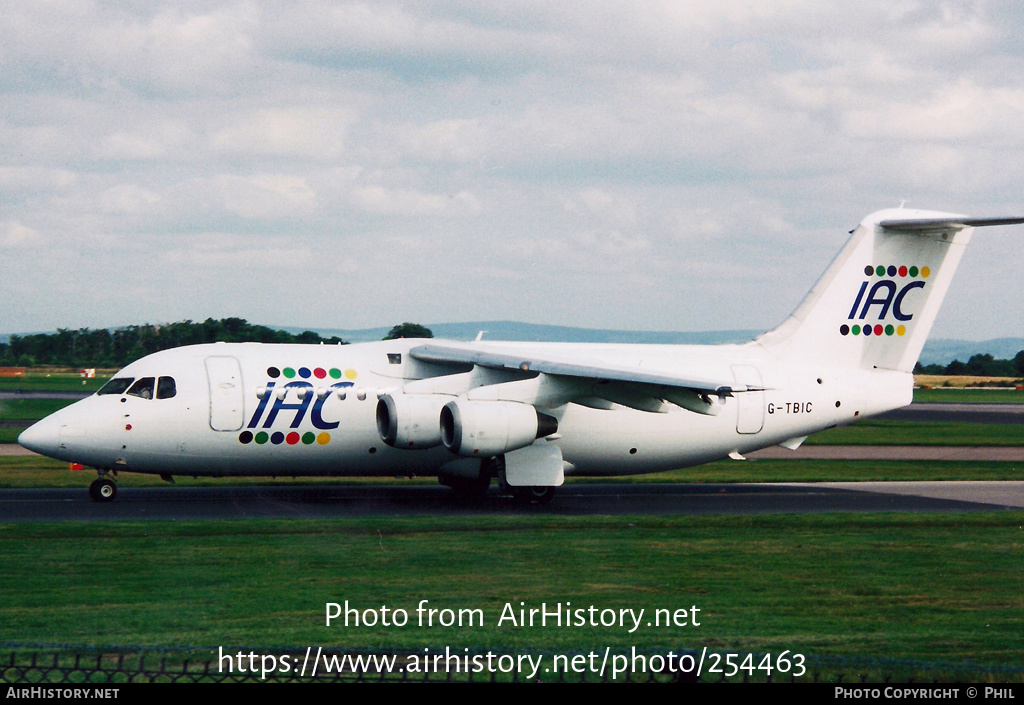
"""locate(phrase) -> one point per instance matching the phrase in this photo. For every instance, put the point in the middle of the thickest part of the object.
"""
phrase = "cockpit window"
(116, 385)
(165, 388)
(142, 388)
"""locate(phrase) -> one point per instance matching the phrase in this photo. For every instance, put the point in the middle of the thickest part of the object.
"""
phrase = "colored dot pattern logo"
(893, 270)
(277, 438)
(307, 373)
(877, 330)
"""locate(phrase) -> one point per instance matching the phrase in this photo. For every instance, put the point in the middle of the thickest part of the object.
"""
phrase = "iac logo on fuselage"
(885, 297)
(308, 397)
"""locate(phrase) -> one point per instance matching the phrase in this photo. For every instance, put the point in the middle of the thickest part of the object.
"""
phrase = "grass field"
(933, 587)
(30, 409)
(52, 382)
(970, 396)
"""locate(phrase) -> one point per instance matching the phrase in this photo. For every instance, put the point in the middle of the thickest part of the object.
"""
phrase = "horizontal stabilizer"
(954, 223)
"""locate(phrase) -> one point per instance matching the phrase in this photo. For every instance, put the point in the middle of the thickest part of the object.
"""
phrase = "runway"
(950, 412)
(577, 499)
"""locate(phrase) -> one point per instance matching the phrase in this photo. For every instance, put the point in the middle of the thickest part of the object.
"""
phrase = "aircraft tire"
(470, 489)
(534, 495)
(102, 490)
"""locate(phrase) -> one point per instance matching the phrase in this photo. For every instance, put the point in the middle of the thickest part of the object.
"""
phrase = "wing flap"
(631, 387)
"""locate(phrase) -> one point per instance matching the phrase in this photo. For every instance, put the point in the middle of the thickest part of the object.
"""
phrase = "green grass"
(932, 587)
(30, 409)
(962, 395)
(58, 381)
(836, 471)
(27, 411)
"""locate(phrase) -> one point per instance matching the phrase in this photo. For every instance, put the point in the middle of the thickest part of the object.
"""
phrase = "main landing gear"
(469, 488)
(103, 489)
(523, 494)
(533, 495)
(474, 487)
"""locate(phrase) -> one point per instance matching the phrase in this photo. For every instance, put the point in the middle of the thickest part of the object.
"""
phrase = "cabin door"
(750, 417)
(226, 407)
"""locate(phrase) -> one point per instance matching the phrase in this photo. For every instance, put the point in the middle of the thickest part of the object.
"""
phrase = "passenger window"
(116, 385)
(165, 388)
(143, 388)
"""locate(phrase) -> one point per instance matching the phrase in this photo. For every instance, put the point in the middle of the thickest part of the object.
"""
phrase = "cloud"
(311, 133)
(219, 250)
(445, 141)
(127, 199)
(146, 141)
(16, 235)
(953, 112)
(36, 178)
(408, 202)
(264, 196)
(72, 46)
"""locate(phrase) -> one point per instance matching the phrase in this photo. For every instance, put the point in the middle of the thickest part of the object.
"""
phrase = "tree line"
(87, 347)
(980, 365)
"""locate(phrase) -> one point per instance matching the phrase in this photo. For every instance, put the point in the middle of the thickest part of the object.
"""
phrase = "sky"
(678, 166)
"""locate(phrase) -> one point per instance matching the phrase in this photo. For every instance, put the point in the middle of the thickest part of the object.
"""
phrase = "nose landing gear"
(103, 489)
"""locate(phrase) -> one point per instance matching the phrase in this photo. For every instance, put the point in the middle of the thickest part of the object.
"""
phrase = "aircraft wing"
(588, 384)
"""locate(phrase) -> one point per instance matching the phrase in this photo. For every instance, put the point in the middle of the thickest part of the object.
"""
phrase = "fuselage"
(310, 410)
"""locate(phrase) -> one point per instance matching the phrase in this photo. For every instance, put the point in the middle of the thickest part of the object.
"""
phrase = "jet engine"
(486, 428)
(410, 420)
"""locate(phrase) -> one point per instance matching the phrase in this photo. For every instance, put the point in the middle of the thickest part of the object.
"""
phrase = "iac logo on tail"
(885, 297)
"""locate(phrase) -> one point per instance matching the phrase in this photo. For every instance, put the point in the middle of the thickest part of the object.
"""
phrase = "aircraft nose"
(41, 437)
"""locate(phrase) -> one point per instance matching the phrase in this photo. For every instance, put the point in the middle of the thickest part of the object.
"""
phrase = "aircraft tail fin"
(875, 304)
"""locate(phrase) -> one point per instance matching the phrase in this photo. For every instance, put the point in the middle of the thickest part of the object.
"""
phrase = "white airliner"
(527, 414)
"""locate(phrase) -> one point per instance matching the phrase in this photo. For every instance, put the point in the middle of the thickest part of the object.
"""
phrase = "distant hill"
(532, 332)
(940, 351)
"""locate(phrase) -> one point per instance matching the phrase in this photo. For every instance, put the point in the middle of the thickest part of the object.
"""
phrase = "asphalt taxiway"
(959, 413)
(323, 501)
